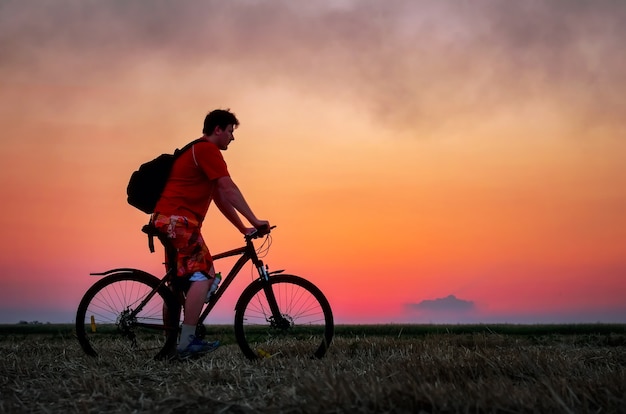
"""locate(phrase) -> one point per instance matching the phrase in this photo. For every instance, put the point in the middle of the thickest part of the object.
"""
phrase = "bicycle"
(132, 311)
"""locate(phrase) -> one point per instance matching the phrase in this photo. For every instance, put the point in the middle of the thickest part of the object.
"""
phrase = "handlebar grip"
(260, 232)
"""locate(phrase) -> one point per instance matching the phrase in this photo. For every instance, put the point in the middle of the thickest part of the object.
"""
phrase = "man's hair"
(219, 118)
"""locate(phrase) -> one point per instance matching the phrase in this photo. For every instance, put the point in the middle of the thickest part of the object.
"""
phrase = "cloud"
(449, 309)
(416, 64)
(448, 304)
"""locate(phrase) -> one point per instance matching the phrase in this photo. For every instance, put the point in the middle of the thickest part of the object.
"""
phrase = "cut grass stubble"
(435, 372)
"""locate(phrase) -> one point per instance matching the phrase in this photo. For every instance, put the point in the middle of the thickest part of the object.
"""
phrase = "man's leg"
(193, 306)
(195, 300)
(196, 295)
(192, 258)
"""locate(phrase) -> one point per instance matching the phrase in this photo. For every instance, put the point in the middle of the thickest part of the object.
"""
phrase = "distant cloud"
(448, 304)
(449, 309)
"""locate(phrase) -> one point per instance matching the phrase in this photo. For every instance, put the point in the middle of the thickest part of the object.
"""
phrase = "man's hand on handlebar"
(259, 226)
(260, 231)
(262, 226)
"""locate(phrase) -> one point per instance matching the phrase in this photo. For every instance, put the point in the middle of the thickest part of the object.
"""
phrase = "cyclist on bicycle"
(199, 176)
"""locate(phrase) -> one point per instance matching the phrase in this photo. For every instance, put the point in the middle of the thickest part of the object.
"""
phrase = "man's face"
(225, 136)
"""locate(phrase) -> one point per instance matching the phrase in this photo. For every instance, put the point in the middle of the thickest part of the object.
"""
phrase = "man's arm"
(229, 212)
(230, 200)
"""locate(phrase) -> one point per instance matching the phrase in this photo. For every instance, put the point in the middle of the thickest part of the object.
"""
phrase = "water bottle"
(216, 281)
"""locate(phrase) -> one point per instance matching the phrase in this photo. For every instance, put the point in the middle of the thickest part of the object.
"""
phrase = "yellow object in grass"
(262, 353)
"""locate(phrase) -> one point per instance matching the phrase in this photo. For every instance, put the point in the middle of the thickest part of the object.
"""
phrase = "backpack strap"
(178, 152)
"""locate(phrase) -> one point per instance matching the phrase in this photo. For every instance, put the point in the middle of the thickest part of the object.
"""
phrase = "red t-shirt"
(189, 190)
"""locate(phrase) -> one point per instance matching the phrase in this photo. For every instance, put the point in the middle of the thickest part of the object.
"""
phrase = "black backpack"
(147, 183)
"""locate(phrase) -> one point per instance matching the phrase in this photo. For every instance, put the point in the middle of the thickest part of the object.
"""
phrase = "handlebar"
(260, 232)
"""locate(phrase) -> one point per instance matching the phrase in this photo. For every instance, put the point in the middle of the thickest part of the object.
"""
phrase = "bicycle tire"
(103, 328)
(310, 328)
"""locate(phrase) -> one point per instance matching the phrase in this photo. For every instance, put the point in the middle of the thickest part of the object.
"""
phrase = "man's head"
(219, 118)
(219, 124)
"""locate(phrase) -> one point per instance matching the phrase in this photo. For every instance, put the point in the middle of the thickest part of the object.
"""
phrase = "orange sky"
(423, 161)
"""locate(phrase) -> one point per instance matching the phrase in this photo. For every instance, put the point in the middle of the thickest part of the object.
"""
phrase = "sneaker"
(196, 348)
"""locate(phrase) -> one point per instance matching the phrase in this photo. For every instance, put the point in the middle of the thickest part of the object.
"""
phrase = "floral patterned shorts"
(192, 253)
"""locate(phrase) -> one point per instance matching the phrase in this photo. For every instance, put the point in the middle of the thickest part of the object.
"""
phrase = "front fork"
(277, 319)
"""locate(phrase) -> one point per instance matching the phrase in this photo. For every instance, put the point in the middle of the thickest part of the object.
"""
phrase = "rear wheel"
(113, 320)
(304, 327)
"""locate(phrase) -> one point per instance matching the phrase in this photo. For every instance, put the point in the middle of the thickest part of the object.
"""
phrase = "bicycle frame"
(248, 253)
(227, 280)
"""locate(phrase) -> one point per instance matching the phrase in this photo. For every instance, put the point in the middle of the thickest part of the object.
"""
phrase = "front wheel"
(303, 327)
(118, 316)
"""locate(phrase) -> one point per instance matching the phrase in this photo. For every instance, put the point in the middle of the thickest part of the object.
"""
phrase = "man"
(199, 176)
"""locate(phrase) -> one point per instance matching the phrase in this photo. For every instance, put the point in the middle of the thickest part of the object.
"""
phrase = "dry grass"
(442, 373)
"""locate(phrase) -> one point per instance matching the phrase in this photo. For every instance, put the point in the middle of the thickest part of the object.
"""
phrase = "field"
(369, 369)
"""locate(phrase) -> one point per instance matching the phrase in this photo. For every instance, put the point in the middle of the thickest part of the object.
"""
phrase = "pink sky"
(424, 161)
